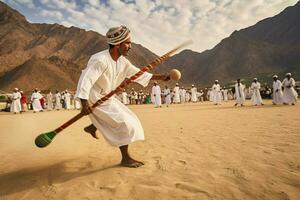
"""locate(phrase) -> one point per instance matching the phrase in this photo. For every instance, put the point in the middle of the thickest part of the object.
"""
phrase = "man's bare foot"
(131, 163)
(91, 129)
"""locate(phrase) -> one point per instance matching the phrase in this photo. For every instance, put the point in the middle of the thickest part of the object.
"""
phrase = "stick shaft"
(124, 84)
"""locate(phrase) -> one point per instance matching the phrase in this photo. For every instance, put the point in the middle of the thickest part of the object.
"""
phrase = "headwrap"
(117, 35)
(275, 76)
(288, 74)
(255, 79)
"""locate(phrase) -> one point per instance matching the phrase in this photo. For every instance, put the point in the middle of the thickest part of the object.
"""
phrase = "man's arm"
(86, 109)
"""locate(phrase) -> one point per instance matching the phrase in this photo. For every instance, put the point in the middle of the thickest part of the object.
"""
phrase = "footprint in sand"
(160, 165)
(181, 162)
(236, 172)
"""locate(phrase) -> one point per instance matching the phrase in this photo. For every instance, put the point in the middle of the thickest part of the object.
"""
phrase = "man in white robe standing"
(225, 94)
(124, 97)
(49, 101)
(104, 72)
(176, 97)
(167, 95)
(156, 92)
(216, 90)
(289, 93)
(67, 97)
(277, 91)
(194, 94)
(57, 100)
(255, 89)
(239, 93)
(15, 106)
(35, 101)
(182, 93)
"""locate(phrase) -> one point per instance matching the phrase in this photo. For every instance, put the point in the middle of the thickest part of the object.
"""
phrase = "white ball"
(175, 74)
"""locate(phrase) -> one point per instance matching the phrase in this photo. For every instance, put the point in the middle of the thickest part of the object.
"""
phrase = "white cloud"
(162, 24)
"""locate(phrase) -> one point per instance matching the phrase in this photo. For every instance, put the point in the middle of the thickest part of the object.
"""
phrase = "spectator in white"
(49, 101)
(225, 94)
(289, 93)
(277, 91)
(182, 93)
(124, 97)
(194, 94)
(156, 92)
(15, 106)
(176, 97)
(67, 97)
(35, 101)
(77, 103)
(216, 90)
(57, 100)
(256, 97)
(200, 96)
(239, 93)
(167, 95)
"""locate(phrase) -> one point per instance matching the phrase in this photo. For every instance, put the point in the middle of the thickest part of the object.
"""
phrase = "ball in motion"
(175, 74)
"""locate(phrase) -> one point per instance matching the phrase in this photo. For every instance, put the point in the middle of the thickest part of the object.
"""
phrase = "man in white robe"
(124, 97)
(15, 106)
(104, 72)
(156, 92)
(57, 100)
(239, 93)
(277, 91)
(49, 101)
(182, 93)
(194, 94)
(289, 93)
(216, 90)
(35, 101)
(176, 97)
(255, 89)
(167, 95)
(225, 94)
(67, 97)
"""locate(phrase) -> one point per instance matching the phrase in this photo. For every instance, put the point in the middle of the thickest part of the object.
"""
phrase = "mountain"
(48, 56)
(272, 46)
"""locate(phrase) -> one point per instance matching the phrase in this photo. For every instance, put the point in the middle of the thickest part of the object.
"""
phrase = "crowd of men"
(282, 93)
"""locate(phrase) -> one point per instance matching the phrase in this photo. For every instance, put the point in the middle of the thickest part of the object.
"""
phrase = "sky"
(158, 25)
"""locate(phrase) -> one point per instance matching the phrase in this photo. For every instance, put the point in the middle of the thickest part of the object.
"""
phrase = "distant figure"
(156, 92)
(176, 98)
(15, 106)
(289, 93)
(182, 93)
(239, 93)
(49, 101)
(194, 94)
(201, 95)
(77, 103)
(35, 100)
(67, 97)
(277, 91)
(124, 97)
(256, 97)
(225, 94)
(216, 90)
(57, 100)
(167, 95)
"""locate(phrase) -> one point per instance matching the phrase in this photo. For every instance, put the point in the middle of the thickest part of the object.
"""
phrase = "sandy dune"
(191, 151)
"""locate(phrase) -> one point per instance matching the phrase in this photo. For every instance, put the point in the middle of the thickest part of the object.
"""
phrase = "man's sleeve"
(88, 77)
(144, 79)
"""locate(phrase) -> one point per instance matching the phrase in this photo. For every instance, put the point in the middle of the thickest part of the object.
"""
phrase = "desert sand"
(192, 151)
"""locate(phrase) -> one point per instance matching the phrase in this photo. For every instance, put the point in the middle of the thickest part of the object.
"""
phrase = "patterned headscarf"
(117, 35)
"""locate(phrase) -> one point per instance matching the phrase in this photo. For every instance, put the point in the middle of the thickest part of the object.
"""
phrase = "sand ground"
(192, 151)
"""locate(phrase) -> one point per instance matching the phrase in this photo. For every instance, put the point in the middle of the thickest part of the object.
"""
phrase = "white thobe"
(167, 95)
(239, 93)
(176, 98)
(57, 101)
(182, 93)
(15, 106)
(277, 92)
(67, 97)
(216, 90)
(289, 93)
(225, 95)
(49, 101)
(36, 104)
(194, 94)
(77, 103)
(124, 98)
(119, 125)
(156, 92)
(256, 97)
